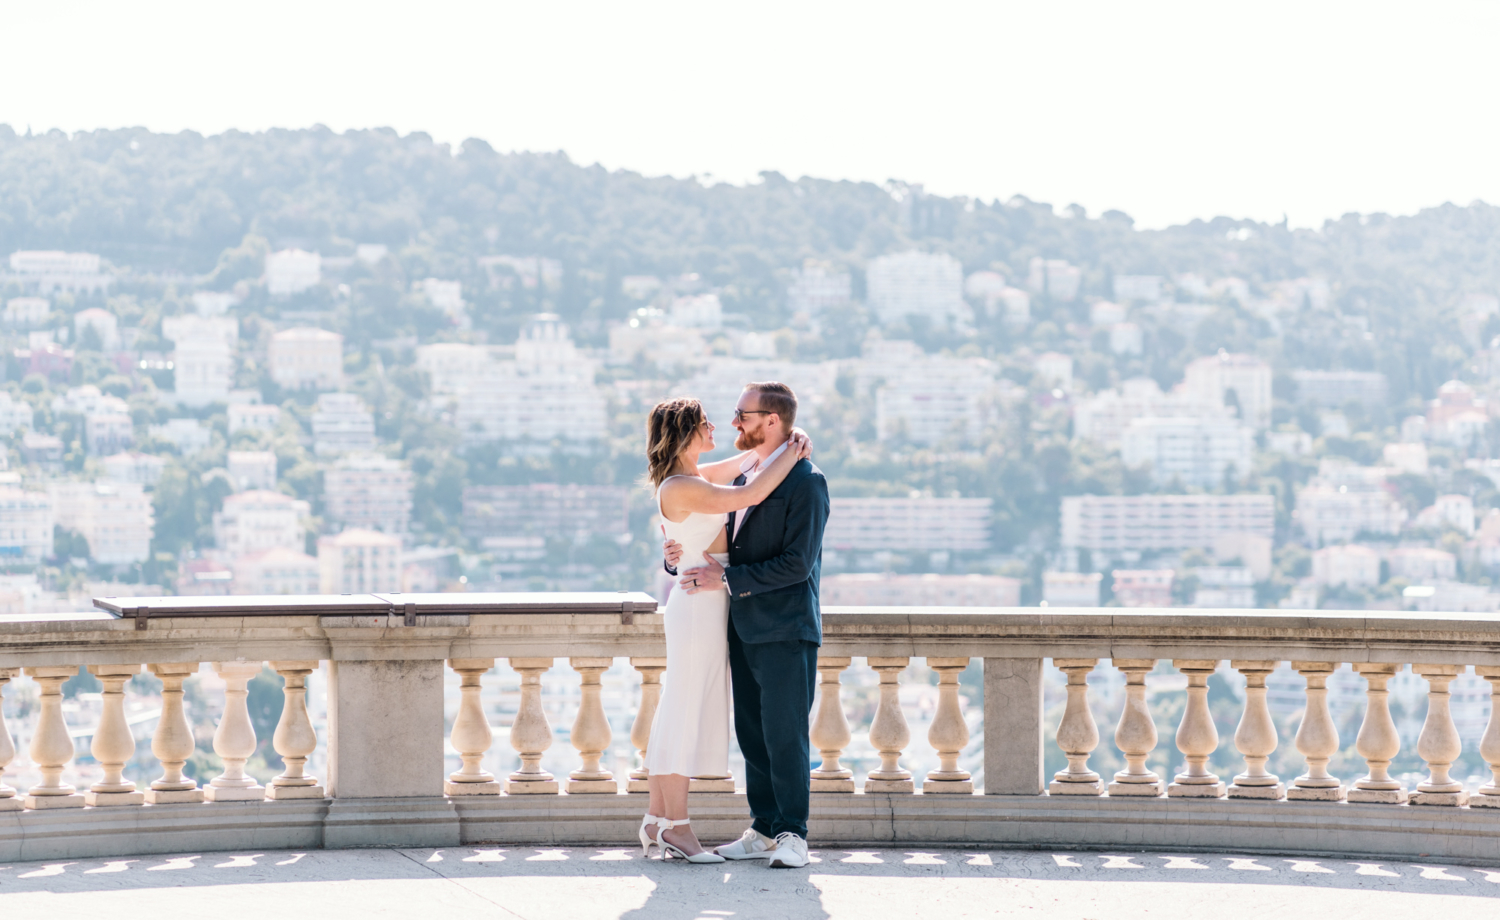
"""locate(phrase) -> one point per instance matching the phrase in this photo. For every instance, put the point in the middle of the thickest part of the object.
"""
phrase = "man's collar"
(752, 461)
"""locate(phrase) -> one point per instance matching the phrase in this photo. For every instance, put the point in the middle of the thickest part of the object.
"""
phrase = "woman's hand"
(800, 444)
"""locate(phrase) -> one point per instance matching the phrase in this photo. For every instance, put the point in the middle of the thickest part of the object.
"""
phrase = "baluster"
(830, 729)
(1488, 795)
(530, 734)
(1439, 744)
(234, 739)
(1378, 741)
(1135, 736)
(1077, 734)
(1255, 737)
(1197, 738)
(113, 744)
(888, 733)
(471, 736)
(948, 734)
(294, 738)
(173, 742)
(1317, 738)
(51, 748)
(591, 734)
(9, 801)
(640, 730)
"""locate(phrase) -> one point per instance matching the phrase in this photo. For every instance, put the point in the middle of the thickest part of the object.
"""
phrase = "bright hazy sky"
(1168, 111)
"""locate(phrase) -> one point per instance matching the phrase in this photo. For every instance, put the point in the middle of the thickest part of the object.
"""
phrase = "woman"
(690, 736)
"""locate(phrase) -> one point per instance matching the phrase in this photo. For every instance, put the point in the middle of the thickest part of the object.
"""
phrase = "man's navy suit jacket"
(776, 558)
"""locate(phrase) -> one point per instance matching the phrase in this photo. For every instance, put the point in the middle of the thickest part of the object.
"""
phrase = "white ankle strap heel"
(669, 849)
(647, 841)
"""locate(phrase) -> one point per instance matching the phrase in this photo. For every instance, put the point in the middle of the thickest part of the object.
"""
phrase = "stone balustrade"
(386, 782)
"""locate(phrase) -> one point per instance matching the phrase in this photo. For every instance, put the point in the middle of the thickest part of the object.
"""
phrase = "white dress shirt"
(751, 467)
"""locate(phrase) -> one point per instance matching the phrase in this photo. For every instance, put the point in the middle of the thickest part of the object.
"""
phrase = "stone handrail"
(385, 782)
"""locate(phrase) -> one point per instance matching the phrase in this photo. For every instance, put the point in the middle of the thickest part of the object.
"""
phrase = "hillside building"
(1120, 524)
(307, 358)
(927, 284)
(369, 491)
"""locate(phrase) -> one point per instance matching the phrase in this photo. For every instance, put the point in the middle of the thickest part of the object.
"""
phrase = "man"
(775, 557)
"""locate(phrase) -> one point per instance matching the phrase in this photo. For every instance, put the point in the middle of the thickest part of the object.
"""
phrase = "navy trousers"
(773, 697)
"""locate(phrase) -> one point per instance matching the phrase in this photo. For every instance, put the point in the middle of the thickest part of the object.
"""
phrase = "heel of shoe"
(647, 841)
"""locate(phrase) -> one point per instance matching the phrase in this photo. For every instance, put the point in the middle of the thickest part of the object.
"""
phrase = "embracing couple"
(744, 537)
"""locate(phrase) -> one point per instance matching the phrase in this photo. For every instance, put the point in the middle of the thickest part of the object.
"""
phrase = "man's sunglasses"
(739, 414)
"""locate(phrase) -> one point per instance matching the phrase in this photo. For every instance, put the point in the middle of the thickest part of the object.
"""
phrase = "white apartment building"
(1106, 313)
(291, 271)
(278, 571)
(253, 417)
(985, 287)
(817, 287)
(369, 491)
(917, 524)
(186, 327)
(1330, 513)
(51, 270)
(1229, 587)
(133, 466)
(935, 399)
(359, 561)
(647, 337)
(1448, 511)
(1422, 564)
(307, 358)
(546, 394)
(1139, 523)
(188, 435)
(252, 469)
(104, 323)
(15, 415)
(27, 312)
(1211, 379)
(1056, 277)
(1333, 389)
(928, 284)
(1105, 416)
(116, 518)
(1017, 304)
(1407, 458)
(1054, 370)
(25, 526)
(878, 590)
(342, 424)
(107, 433)
(1145, 288)
(213, 303)
(447, 296)
(203, 371)
(698, 311)
(1126, 339)
(1196, 451)
(1348, 565)
(546, 510)
(1071, 589)
(258, 520)
(452, 367)
(88, 400)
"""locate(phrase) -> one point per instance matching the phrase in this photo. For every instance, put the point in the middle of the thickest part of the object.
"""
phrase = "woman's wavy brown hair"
(671, 428)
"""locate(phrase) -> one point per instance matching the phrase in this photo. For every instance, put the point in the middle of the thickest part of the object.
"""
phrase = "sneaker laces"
(785, 837)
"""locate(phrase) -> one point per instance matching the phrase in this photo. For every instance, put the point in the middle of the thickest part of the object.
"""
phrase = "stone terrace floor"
(562, 884)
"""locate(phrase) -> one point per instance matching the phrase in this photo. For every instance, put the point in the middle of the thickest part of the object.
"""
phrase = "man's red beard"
(749, 441)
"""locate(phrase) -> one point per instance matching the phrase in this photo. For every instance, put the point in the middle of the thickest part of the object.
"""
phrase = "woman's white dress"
(690, 735)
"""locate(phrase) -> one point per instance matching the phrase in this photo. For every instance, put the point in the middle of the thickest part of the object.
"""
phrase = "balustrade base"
(710, 785)
(452, 788)
(282, 793)
(1196, 790)
(548, 787)
(10, 803)
(840, 786)
(234, 793)
(386, 822)
(1377, 796)
(1449, 799)
(1058, 787)
(948, 787)
(890, 785)
(1135, 790)
(113, 799)
(1269, 793)
(1476, 800)
(593, 787)
(638, 785)
(42, 802)
(174, 796)
(1315, 793)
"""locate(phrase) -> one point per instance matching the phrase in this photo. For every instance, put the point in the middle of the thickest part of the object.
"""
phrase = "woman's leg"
(674, 790)
(657, 803)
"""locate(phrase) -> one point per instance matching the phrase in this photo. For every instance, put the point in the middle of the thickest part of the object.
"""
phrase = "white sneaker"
(751, 845)
(791, 852)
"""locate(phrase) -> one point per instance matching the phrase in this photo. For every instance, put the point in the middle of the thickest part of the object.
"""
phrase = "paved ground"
(561, 884)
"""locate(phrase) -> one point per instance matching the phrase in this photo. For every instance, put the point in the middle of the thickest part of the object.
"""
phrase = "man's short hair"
(778, 398)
